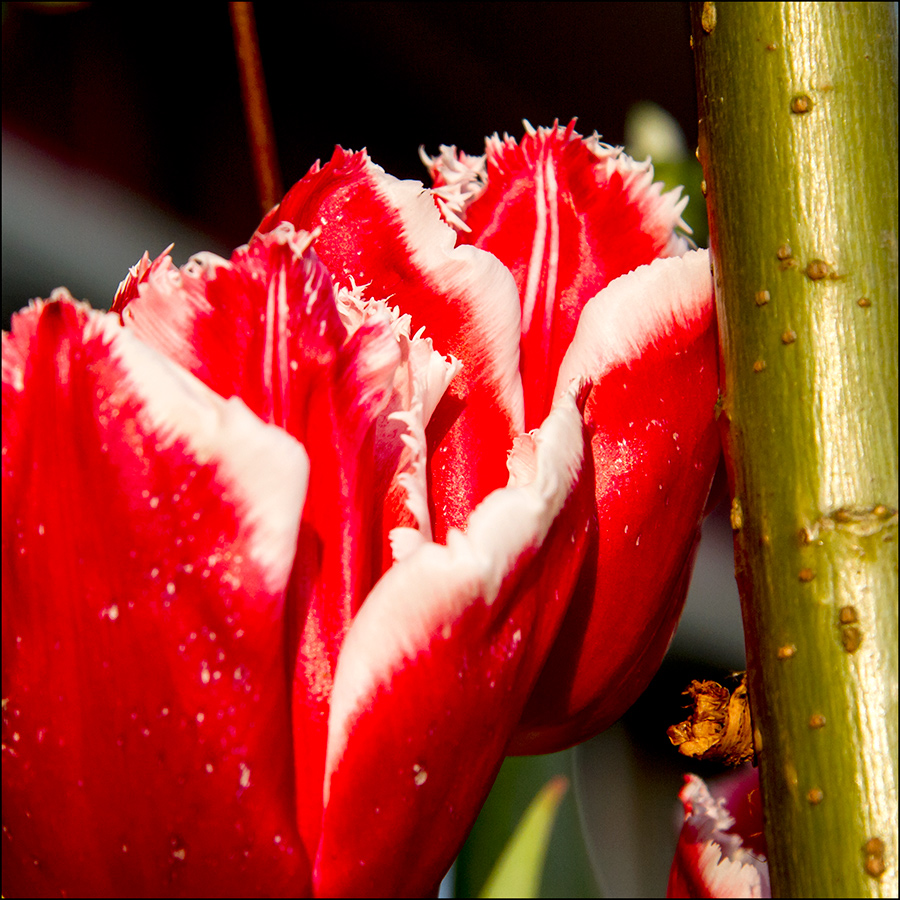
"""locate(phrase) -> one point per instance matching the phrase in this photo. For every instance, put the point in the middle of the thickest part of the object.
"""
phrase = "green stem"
(798, 141)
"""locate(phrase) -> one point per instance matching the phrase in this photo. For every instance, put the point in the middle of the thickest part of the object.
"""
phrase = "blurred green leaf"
(517, 873)
(567, 872)
(688, 174)
(651, 131)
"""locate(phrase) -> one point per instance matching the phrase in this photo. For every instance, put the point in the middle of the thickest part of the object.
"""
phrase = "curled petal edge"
(709, 860)
(460, 179)
(636, 310)
(397, 622)
(639, 341)
(444, 650)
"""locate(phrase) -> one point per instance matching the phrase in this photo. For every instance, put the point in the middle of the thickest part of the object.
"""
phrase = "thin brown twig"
(256, 106)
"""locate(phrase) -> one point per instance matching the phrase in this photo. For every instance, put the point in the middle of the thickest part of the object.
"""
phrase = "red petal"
(387, 234)
(146, 728)
(566, 216)
(648, 342)
(711, 859)
(265, 326)
(442, 656)
(140, 272)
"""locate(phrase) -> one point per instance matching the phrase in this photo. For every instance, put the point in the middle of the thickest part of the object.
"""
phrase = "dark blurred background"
(123, 131)
(146, 99)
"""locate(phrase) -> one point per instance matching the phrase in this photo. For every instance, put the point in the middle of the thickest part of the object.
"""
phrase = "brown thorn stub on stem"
(708, 17)
(759, 366)
(851, 634)
(256, 106)
(786, 651)
(788, 336)
(815, 796)
(757, 741)
(817, 269)
(864, 302)
(801, 103)
(762, 298)
(737, 514)
(851, 638)
(806, 575)
(817, 720)
(785, 256)
(874, 853)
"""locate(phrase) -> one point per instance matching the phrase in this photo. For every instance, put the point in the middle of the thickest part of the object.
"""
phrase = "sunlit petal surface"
(285, 576)
(145, 557)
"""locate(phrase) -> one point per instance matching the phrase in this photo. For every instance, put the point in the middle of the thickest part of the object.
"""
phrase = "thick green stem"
(798, 141)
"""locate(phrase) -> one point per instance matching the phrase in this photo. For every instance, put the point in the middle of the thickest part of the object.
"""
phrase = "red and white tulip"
(721, 848)
(285, 575)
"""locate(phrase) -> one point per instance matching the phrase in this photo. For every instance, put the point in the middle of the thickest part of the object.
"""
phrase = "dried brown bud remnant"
(719, 727)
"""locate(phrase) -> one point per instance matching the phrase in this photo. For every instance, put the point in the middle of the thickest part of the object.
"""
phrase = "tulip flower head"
(299, 544)
(721, 849)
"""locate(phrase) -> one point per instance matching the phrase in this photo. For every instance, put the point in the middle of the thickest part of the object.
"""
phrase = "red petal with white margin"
(420, 382)
(566, 216)
(265, 326)
(388, 235)
(146, 550)
(442, 656)
(721, 850)
(648, 343)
